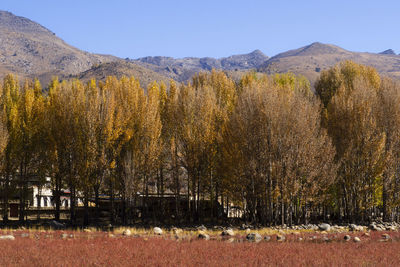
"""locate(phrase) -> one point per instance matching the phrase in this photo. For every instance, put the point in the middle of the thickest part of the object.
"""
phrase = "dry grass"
(79, 248)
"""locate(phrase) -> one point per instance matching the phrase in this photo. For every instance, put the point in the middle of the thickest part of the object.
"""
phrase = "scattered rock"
(373, 227)
(157, 231)
(244, 227)
(357, 239)
(391, 228)
(347, 238)
(202, 228)
(248, 231)
(324, 227)
(228, 232)
(254, 237)
(64, 236)
(280, 238)
(267, 238)
(177, 231)
(126, 232)
(385, 236)
(203, 236)
(7, 237)
(24, 235)
(355, 228)
(87, 230)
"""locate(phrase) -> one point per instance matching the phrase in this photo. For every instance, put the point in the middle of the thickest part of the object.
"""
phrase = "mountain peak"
(20, 24)
(31, 50)
(388, 52)
(313, 49)
(244, 61)
(320, 48)
(257, 52)
(316, 44)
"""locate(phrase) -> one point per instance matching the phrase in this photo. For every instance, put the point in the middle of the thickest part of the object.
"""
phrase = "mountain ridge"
(315, 48)
(387, 52)
(311, 59)
(31, 50)
(182, 69)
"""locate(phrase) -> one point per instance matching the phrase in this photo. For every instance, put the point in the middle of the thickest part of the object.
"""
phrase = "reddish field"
(49, 249)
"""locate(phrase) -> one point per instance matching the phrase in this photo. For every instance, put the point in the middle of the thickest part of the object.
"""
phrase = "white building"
(44, 196)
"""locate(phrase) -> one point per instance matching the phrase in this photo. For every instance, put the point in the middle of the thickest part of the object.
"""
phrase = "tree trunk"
(5, 198)
(282, 212)
(57, 196)
(211, 198)
(96, 200)
(146, 196)
(194, 210)
(111, 201)
(188, 199)
(39, 204)
(124, 207)
(162, 208)
(216, 198)
(21, 194)
(384, 198)
(86, 208)
(72, 207)
(305, 211)
(177, 196)
(198, 207)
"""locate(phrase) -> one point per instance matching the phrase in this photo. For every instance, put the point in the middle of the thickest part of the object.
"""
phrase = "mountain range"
(311, 59)
(30, 50)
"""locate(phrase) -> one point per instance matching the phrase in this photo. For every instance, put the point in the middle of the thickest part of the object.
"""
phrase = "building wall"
(46, 198)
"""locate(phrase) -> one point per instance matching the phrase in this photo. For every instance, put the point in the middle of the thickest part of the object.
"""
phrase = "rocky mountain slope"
(183, 69)
(388, 52)
(311, 59)
(121, 68)
(30, 50)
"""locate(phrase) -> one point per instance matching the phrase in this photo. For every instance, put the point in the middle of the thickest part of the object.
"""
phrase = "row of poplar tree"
(267, 144)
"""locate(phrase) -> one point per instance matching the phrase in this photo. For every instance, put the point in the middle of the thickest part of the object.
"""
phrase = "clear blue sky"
(215, 28)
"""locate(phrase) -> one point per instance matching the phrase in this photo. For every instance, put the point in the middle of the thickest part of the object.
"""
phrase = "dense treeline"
(267, 144)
